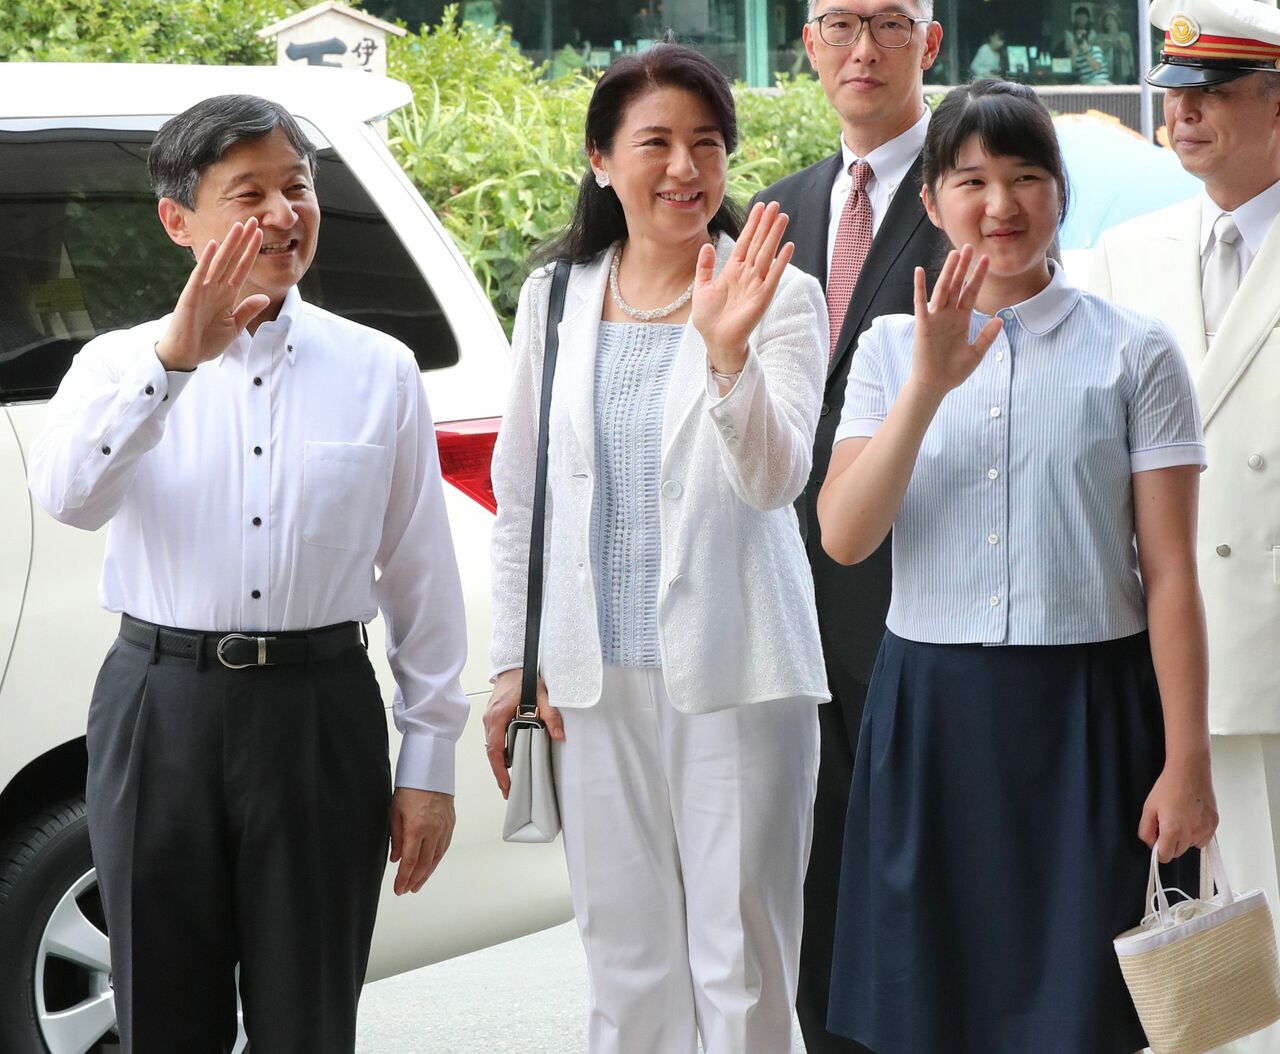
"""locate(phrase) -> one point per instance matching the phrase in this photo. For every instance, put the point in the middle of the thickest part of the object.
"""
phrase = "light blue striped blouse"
(1017, 526)
(633, 368)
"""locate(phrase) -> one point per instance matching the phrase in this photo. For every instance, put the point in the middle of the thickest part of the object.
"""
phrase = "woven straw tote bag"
(1202, 972)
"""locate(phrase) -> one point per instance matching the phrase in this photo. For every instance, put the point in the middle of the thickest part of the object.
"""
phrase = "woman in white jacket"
(679, 651)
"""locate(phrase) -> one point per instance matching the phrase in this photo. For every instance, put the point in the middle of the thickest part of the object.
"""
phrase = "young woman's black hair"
(1009, 121)
(598, 220)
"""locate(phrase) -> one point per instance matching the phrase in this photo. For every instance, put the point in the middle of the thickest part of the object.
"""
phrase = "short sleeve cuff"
(426, 763)
(1169, 457)
(857, 428)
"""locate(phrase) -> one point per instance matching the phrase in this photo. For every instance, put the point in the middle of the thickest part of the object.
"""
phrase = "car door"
(15, 537)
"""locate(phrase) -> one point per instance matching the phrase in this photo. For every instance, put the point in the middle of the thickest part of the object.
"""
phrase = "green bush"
(216, 32)
(493, 147)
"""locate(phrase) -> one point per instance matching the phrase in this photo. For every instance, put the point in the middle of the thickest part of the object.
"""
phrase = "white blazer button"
(1223, 550)
(671, 489)
(1256, 461)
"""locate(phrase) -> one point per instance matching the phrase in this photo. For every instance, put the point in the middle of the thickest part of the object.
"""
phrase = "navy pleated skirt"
(991, 851)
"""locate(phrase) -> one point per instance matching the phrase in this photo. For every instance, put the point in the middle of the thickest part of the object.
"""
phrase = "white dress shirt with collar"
(890, 162)
(291, 483)
(1253, 220)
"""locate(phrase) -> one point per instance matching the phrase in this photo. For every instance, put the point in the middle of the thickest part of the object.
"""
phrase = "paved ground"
(525, 997)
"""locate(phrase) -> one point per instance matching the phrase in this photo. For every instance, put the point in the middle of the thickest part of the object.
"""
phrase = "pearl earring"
(602, 179)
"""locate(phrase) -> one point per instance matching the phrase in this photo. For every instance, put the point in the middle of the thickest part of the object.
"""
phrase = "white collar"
(1253, 219)
(890, 162)
(1040, 313)
(291, 309)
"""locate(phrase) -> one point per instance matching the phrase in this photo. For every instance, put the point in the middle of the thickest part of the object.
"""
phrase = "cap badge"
(1184, 30)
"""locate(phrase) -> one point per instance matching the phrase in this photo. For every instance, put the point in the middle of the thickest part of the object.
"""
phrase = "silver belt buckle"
(262, 651)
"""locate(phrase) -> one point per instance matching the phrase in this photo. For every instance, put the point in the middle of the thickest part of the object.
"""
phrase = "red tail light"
(466, 451)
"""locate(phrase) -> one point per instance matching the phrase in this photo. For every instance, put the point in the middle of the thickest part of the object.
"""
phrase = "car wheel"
(53, 940)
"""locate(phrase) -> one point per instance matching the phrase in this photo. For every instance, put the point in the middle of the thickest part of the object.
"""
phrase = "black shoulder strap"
(533, 613)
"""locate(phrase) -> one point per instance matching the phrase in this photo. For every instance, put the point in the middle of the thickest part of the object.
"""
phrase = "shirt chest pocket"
(343, 495)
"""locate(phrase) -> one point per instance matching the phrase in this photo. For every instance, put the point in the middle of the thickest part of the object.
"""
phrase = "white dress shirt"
(890, 162)
(260, 493)
(1253, 220)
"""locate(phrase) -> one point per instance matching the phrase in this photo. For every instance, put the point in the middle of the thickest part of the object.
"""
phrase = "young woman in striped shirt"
(1037, 711)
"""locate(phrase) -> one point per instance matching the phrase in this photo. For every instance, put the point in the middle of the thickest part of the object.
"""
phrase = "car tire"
(46, 870)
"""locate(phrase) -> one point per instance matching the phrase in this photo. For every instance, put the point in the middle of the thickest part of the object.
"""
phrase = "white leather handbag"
(533, 814)
(1202, 972)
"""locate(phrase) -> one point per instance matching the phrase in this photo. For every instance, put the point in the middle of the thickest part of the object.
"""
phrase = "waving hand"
(210, 313)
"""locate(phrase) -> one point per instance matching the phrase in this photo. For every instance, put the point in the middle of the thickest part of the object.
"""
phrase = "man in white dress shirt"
(1209, 267)
(269, 475)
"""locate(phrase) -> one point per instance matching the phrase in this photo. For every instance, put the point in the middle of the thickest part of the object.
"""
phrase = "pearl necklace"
(638, 315)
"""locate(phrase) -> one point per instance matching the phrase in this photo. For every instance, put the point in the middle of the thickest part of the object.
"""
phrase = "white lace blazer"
(736, 616)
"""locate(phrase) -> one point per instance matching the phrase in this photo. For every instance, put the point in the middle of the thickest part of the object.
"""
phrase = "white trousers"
(1246, 779)
(687, 839)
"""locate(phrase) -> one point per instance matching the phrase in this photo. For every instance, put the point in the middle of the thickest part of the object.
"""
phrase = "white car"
(82, 252)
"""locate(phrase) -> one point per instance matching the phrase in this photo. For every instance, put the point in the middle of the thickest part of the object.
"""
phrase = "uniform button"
(258, 381)
(258, 450)
(995, 601)
(257, 521)
(993, 538)
(1007, 316)
(1256, 461)
(106, 450)
(256, 594)
(1223, 550)
(993, 473)
(148, 390)
(675, 581)
(995, 411)
(999, 356)
(824, 411)
(732, 443)
(671, 489)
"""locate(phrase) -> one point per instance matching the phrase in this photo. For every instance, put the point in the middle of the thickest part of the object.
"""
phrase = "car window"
(83, 251)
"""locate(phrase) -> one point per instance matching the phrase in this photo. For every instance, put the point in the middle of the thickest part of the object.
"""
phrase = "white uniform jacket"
(1152, 264)
(736, 616)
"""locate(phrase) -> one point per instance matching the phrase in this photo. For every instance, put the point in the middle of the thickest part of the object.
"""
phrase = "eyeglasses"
(889, 29)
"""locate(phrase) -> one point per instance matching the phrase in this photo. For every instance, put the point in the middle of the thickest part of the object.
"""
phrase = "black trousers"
(237, 817)
(838, 723)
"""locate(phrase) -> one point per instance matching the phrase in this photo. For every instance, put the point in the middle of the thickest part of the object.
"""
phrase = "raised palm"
(729, 305)
(210, 312)
(943, 357)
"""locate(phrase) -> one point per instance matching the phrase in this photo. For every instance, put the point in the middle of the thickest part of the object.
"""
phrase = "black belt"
(238, 651)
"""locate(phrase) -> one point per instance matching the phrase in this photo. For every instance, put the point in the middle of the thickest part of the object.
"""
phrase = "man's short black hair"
(198, 137)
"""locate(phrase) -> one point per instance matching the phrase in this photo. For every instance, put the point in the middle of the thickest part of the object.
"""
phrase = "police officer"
(1208, 266)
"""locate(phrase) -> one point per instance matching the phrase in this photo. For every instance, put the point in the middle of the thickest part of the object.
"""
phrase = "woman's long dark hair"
(1009, 121)
(598, 220)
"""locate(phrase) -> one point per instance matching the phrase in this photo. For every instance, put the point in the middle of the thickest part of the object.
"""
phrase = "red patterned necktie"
(853, 242)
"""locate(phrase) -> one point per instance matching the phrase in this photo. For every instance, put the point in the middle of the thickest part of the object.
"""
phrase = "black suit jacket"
(853, 601)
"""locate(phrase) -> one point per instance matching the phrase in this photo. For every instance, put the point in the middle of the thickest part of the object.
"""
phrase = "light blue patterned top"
(633, 368)
(1017, 526)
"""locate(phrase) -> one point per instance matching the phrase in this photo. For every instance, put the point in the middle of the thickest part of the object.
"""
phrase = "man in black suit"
(859, 227)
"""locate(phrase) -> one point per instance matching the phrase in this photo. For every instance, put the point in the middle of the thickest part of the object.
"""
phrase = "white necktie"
(1221, 273)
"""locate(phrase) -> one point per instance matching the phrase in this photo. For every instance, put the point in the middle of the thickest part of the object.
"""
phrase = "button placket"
(260, 382)
(995, 495)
